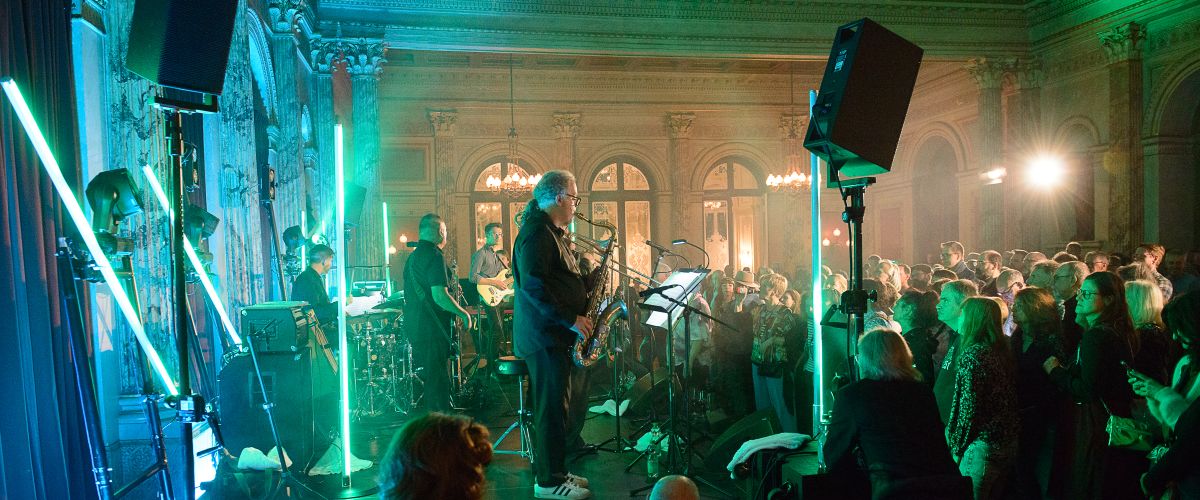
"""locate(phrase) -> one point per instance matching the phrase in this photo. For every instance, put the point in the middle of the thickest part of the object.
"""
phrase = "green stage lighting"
(343, 359)
(86, 233)
(193, 257)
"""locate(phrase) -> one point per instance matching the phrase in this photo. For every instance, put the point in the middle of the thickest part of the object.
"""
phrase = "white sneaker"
(579, 480)
(565, 491)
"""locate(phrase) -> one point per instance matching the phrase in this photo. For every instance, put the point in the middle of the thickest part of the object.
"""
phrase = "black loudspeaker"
(756, 425)
(305, 410)
(864, 96)
(355, 195)
(182, 44)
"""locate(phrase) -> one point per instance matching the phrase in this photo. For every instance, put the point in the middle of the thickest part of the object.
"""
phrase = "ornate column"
(988, 74)
(364, 63)
(1123, 160)
(325, 60)
(443, 124)
(1024, 132)
(566, 131)
(288, 163)
(679, 129)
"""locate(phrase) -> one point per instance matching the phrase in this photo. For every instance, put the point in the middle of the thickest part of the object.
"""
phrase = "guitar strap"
(422, 296)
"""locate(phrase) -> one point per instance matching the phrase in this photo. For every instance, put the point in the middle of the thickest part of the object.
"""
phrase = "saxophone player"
(549, 315)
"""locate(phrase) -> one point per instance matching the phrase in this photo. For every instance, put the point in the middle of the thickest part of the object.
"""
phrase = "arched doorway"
(619, 194)
(733, 216)
(935, 198)
(1172, 159)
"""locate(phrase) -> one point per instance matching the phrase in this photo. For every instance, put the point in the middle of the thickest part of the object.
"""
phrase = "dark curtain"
(43, 453)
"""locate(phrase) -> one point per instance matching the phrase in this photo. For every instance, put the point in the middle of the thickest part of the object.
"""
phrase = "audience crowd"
(984, 375)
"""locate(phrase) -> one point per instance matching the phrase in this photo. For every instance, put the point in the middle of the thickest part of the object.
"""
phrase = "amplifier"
(278, 326)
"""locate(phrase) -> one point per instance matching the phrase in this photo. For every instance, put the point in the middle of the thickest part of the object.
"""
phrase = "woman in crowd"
(731, 373)
(1039, 404)
(1155, 351)
(1094, 380)
(982, 429)
(436, 456)
(879, 311)
(791, 300)
(905, 455)
(776, 348)
(1176, 406)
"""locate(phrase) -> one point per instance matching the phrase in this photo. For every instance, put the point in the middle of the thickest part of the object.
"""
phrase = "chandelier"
(794, 181)
(512, 181)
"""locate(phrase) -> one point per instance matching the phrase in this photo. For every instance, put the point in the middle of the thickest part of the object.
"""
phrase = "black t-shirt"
(309, 287)
(426, 322)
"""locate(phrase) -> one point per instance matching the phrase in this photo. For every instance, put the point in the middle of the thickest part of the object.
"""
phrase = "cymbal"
(396, 301)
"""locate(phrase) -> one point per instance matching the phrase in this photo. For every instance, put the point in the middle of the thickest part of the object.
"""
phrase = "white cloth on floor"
(609, 407)
(253, 459)
(789, 440)
(331, 462)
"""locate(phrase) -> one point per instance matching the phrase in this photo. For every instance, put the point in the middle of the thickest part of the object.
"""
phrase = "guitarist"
(428, 310)
(486, 266)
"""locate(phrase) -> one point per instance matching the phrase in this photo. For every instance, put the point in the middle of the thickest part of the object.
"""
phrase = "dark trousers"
(550, 381)
(435, 378)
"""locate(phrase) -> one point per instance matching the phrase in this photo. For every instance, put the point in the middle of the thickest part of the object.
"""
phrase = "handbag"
(1140, 432)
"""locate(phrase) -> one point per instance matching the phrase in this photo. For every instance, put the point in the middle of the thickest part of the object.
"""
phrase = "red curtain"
(43, 453)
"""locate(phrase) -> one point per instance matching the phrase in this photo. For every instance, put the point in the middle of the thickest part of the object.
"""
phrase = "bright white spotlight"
(1046, 171)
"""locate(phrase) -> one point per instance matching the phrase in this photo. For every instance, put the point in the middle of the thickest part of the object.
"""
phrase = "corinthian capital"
(1123, 42)
(285, 15)
(988, 73)
(566, 125)
(680, 124)
(443, 122)
(1028, 72)
(362, 56)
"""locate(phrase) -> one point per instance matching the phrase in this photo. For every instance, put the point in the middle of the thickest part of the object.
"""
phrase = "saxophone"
(603, 305)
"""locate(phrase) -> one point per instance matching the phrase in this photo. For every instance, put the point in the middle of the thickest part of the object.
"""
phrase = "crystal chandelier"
(512, 181)
(794, 181)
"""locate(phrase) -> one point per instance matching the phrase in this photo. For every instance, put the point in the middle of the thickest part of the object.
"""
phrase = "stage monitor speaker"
(182, 44)
(864, 96)
(756, 425)
(304, 408)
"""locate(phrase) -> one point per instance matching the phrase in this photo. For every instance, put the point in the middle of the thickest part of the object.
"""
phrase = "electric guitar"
(493, 295)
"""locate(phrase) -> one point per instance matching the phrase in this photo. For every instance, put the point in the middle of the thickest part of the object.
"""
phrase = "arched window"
(620, 195)
(733, 216)
(492, 207)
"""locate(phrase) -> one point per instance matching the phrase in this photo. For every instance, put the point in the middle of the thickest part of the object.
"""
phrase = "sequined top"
(776, 339)
(985, 401)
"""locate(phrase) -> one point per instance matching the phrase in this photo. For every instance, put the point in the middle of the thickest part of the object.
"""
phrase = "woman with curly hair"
(436, 456)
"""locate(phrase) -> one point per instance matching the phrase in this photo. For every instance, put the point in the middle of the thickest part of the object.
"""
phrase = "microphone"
(658, 247)
(651, 291)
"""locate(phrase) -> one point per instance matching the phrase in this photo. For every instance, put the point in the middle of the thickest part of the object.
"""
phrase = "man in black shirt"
(428, 310)
(549, 315)
(310, 287)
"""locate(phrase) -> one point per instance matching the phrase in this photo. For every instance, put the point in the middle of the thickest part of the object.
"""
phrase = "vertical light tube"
(304, 233)
(818, 287)
(86, 233)
(343, 354)
(387, 254)
(209, 288)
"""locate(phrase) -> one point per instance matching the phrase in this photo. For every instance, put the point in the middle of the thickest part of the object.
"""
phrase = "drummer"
(310, 287)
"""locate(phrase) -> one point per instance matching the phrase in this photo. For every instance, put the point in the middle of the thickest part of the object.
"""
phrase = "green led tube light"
(75, 211)
(343, 360)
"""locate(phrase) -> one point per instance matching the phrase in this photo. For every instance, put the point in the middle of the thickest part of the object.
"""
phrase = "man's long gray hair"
(545, 194)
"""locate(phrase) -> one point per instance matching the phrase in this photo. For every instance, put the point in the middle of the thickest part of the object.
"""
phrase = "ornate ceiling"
(667, 29)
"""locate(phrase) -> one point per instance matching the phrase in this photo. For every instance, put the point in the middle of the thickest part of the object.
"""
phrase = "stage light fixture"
(113, 196)
(1046, 171)
(339, 174)
(86, 233)
(198, 223)
(194, 258)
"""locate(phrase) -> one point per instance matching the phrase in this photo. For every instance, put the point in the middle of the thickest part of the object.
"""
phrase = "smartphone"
(741, 289)
(1131, 372)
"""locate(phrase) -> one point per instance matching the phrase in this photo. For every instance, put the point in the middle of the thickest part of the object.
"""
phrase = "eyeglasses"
(1088, 294)
(575, 200)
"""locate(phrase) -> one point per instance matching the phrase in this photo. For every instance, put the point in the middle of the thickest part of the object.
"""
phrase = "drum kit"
(385, 377)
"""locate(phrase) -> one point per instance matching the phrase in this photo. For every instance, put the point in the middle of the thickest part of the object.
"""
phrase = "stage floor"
(508, 476)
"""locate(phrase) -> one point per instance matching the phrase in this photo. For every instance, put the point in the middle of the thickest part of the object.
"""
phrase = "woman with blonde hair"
(1155, 353)
(775, 350)
(905, 454)
(983, 426)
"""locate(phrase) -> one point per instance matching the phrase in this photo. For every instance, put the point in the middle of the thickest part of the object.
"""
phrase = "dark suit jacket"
(897, 426)
(1181, 464)
(550, 287)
